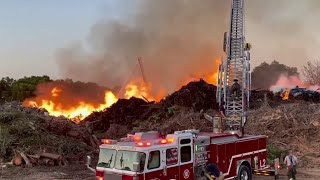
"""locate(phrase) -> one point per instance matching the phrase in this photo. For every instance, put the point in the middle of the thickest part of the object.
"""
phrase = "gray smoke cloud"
(178, 38)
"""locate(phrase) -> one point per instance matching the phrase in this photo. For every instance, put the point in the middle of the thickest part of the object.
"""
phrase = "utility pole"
(142, 70)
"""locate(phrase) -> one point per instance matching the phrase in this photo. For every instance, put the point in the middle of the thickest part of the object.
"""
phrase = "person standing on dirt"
(291, 162)
(235, 88)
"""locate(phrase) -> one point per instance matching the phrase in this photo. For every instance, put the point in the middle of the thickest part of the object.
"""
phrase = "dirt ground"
(75, 171)
(303, 174)
(79, 171)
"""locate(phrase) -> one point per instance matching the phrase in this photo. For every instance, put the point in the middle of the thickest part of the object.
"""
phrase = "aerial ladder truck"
(187, 154)
(235, 67)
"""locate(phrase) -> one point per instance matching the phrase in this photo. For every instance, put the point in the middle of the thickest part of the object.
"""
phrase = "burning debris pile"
(131, 113)
(196, 97)
(28, 136)
(289, 88)
(298, 93)
(123, 112)
(284, 96)
(290, 126)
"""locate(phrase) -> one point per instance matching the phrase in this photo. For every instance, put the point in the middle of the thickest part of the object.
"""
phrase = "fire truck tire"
(244, 173)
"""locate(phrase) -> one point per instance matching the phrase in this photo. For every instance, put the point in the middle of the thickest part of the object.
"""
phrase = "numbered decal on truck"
(262, 163)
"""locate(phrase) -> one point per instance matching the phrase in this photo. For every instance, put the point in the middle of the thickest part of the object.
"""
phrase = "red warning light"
(144, 144)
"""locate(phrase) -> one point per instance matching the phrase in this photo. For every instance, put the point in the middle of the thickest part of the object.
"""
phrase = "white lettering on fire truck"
(263, 163)
(186, 174)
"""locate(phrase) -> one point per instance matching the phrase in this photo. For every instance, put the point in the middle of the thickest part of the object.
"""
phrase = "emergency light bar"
(108, 141)
(143, 136)
(149, 143)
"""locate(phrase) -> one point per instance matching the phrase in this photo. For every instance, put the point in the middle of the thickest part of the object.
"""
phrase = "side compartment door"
(221, 158)
(186, 158)
(154, 166)
(230, 151)
(171, 163)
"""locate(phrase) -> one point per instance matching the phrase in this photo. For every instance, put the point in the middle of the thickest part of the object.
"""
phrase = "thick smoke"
(174, 38)
(178, 38)
(283, 30)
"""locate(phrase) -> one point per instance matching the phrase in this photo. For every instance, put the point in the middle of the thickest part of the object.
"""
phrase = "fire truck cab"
(182, 155)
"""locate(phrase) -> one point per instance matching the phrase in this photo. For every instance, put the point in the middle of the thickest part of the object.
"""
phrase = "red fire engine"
(182, 155)
(185, 155)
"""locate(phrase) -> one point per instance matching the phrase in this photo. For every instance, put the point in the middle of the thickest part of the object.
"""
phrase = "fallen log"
(26, 160)
(46, 161)
(51, 156)
(34, 159)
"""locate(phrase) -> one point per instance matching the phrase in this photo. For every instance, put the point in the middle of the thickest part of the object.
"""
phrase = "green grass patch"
(275, 152)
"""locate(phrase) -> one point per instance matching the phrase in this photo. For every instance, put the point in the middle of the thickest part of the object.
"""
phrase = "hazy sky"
(31, 31)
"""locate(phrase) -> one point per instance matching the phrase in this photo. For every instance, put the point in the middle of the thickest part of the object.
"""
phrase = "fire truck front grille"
(113, 176)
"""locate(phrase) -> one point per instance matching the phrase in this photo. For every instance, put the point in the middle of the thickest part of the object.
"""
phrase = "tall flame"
(79, 112)
(140, 89)
(211, 77)
(54, 105)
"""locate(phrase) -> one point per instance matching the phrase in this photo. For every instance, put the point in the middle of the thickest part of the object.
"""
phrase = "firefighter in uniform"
(213, 172)
(235, 88)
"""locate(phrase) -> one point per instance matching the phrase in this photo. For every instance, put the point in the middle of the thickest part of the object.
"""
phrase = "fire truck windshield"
(125, 160)
(122, 160)
(106, 158)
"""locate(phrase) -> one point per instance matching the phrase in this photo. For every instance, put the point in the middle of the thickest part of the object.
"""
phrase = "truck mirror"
(88, 160)
(89, 163)
(136, 166)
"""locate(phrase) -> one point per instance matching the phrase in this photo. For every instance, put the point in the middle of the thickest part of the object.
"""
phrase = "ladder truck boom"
(235, 68)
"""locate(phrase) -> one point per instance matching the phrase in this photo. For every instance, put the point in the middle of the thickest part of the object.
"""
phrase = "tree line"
(20, 89)
(265, 75)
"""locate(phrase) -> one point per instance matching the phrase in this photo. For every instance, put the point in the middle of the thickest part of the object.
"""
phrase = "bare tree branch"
(311, 72)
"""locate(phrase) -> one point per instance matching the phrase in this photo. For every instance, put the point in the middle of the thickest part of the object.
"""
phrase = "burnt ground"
(79, 171)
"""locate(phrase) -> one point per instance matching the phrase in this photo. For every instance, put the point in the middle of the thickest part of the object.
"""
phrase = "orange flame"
(55, 92)
(82, 109)
(77, 113)
(286, 95)
(211, 78)
(140, 89)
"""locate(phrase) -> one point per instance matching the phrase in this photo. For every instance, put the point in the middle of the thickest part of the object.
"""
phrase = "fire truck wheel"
(244, 173)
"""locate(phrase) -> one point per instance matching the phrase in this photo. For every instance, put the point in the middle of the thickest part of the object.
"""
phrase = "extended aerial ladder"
(236, 66)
